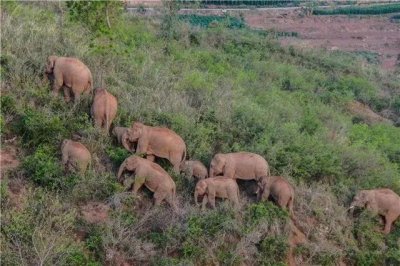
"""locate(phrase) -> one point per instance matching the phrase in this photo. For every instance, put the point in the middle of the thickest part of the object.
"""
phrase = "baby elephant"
(220, 187)
(153, 176)
(279, 189)
(380, 201)
(104, 108)
(194, 168)
(119, 132)
(71, 74)
(75, 156)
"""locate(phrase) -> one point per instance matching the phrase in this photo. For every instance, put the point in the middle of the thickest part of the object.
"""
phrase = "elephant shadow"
(249, 188)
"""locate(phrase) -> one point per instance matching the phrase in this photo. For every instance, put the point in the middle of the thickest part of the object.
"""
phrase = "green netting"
(231, 22)
(245, 2)
(205, 21)
(360, 10)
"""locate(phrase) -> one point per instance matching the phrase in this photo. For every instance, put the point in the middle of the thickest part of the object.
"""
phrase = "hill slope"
(222, 90)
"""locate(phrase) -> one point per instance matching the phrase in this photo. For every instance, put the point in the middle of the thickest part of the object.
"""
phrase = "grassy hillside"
(222, 90)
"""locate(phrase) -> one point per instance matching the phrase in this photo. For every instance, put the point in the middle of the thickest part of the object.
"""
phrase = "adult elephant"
(104, 108)
(153, 176)
(383, 201)
(239, 165)
(71, 74)
(156, 142)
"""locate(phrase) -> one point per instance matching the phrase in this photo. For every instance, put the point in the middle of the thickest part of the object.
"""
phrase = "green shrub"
(94, 243)
(370, 241)
(99, 16)
(7, 104)
(117, 154)
(95, 186)
(273, 250)
(264, 211)
(44, 168)
(210, 224)
(37, 128)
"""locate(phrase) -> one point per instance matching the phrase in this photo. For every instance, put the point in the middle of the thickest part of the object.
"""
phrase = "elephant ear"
(137, 128)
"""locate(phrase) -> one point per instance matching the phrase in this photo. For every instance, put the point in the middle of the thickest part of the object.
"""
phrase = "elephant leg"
(235, 202)
(67, 94)
(65, 159)
(57, 84)
(97, 122)
(212, 200)
(158, 198)
(77, 97)
(282, 202)
(176, 164)
(171, 202)
(204, 202)
(73, 166)
(388, 224)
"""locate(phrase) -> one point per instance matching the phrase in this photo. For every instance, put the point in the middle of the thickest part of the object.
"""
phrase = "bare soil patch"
(95, 212)
(365, 113)
(348, 33)
(8, 159)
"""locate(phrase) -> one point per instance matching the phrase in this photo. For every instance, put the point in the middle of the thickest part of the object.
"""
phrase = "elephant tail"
(292, 216)
(107, 118)
(90, 83)
(184, 155)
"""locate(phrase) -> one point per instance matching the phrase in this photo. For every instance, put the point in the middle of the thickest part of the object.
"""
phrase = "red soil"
(348, 33)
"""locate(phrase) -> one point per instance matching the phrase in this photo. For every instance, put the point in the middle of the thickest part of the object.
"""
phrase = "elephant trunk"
(121, 171)
(196, 195)
(125, 142)
(211, 172)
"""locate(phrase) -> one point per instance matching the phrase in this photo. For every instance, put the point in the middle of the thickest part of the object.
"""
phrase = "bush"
(44, 168)
(117, 155)
(273, 250)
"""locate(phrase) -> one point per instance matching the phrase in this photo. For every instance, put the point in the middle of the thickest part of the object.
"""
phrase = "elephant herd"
(150, 142)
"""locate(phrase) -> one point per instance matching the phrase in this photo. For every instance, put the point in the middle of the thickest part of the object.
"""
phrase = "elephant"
(153, 176)
(75, 156)
(194, 168)
(384, 202)
(104, 108)
(281, 191)
(71, 74)
(118, 132)
(220, 187)
(156, 141)
(239, 165)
